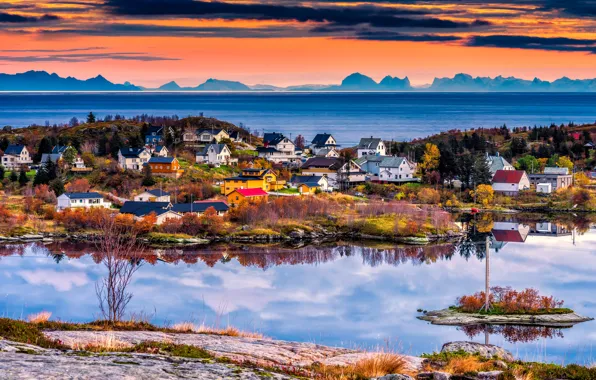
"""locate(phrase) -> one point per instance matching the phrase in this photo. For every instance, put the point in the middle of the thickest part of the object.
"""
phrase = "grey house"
(558, 178)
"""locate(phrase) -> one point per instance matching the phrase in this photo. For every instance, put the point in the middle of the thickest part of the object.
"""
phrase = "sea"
(348, 116)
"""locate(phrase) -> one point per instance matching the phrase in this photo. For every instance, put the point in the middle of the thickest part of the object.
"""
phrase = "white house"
(510, 182)
(371, 147)
(81, 200)
(327, 152)
(16, 156)
(278, 148)
(337, 172)
(544, 188)
(322, 141)
(133, 158)
(161, 151)
(154, 195)
(397, 169)
(215, 154)
(205, 136)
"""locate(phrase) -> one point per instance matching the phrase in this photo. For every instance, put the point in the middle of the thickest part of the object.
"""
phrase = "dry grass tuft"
(184, 327)
(103, 343)
(464, 364)
(377, 365)
(40, 317)
(229, 331)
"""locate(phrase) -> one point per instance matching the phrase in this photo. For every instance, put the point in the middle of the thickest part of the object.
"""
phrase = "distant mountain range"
(43, 81)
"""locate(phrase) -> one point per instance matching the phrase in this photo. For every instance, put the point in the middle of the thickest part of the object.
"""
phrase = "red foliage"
(510, 301)
(80, 185)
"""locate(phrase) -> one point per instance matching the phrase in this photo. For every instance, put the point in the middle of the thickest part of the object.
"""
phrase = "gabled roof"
(157, 192)
(217, 147)
(369, 143)
(161, 160)
(59, 149)
(513, 236)
(88, 195)
(332, 163)
(200, 206)
(234, 134)
(269, 149)
(321, 139)
(306, 179)
(273, 138)
(14, 150)
(258, 192)
(496, 163)
(131, 152)
(508, 176)
(392, 162)
(141, 209)
(555, 170)
(214, 131)
(46, 157)
(159, 148)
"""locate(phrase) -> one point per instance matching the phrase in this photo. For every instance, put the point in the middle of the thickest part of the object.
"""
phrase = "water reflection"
(513, 333)
(337, 294)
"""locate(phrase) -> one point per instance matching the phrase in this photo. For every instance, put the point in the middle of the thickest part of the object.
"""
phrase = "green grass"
(180, 350)
(30, 173)
(24, 332)
(289, 191)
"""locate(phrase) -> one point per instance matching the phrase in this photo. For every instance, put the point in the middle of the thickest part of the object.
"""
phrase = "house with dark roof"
(154, 135)
(81, 200)
(165, 167)
(310, 183)
(510, 182)
(327, 152)
(153, 195)
(338, 172)
(140, 210)
(278, 148)
(133, 158)
(236, 136)
(16, 156)
(322, 141)
(215, 154)
(371, 146)
(160, 151)
(199, 207)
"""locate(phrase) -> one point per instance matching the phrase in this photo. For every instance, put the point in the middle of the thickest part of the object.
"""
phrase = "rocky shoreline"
(451, 317)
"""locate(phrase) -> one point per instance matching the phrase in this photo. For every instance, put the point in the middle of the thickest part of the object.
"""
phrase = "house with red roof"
(251, 195)
(510, 182)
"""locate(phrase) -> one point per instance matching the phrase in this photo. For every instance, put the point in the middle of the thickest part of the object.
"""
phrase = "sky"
(289, 42)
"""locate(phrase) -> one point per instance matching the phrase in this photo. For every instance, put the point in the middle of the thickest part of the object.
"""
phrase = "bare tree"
(120, 252)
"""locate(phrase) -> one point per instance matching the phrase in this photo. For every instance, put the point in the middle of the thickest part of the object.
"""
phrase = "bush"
(429, 196)
(505, 300)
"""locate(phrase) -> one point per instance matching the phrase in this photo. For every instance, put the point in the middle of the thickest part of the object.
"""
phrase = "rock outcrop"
(487, 351)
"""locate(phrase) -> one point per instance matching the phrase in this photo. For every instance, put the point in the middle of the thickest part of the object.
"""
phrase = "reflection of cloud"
(61, 281)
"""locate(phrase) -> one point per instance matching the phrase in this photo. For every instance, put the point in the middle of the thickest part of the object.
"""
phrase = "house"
(336, 170)
(215, 154)
(199, 207)
(16, 156)
(558, 178)
(161, 151)
(510, 182)
(165, 167)
(153, 195)
(251, 195)
(310, 183)
(371, 147)
(370, 164)
(544, 188)
(550, 229)
(322, 141)
(133, 158)
(497, 163)
(510, 232)
(264, 179)
(78, 166)
(81, 200)
(278, 148)
(236, 136)
(55, 155)
(327, 152)
(154, 136)
(205, 135)
(397, 169)
(139, 210)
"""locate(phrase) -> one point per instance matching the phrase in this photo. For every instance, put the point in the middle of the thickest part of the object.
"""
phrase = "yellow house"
(264, 179)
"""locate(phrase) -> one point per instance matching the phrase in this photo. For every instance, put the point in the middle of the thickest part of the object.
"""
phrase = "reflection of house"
(371, 147)
(81, 200)
(16, 156)
(165, 167)
(309, 184)
(153, 195)
(549, 229)
(510, 182)
(510, 232)
(557, 178)
(133, 158)
(323, 141)
(335, 169)
(215, 154)
(199, 207)
(264, 179)
(497, 163)
(239, 195)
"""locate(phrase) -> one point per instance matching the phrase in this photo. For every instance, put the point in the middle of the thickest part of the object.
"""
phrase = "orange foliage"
(80, 185)
(510, 301)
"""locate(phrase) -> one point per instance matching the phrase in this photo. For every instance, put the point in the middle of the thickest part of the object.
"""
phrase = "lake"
(345, 294)
(348, 116)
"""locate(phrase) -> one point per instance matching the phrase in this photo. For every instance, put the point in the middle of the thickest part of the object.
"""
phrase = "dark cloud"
(393, 36)
(374, 16)
(582, 8)
(130, 56)
(12, 18)
(536, 43)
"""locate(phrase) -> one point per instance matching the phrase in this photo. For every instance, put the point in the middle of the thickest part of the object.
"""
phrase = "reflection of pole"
(486, 306)
(486, 335)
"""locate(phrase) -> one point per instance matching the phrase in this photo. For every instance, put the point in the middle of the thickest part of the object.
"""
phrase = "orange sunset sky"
(288, 42)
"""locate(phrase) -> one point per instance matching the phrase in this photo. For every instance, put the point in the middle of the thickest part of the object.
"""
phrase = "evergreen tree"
(2, 171)
(90, 118)
(481, 174)
(102, 146)
(70, 155)
(115, 144)
(23, 177)
(13, 176)
(136, 141)
(148, 179)
(465, 170)
(4, 143)
(58, 186)
(41, 177)
(45, 146)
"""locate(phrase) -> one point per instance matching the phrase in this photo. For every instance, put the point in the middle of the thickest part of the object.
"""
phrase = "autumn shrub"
(505, 300)
(428, 196)
(171, 225)
(45, 194)
(80, 185)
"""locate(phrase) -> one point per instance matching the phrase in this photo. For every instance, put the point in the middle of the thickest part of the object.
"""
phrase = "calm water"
(349, 116)
(341, 294)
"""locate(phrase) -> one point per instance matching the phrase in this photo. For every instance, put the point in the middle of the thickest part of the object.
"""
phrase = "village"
(160, 174)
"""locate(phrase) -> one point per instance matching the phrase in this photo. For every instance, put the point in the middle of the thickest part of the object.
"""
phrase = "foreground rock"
(21, 361)
(487, 351)
(454, 318)
(264, 352)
